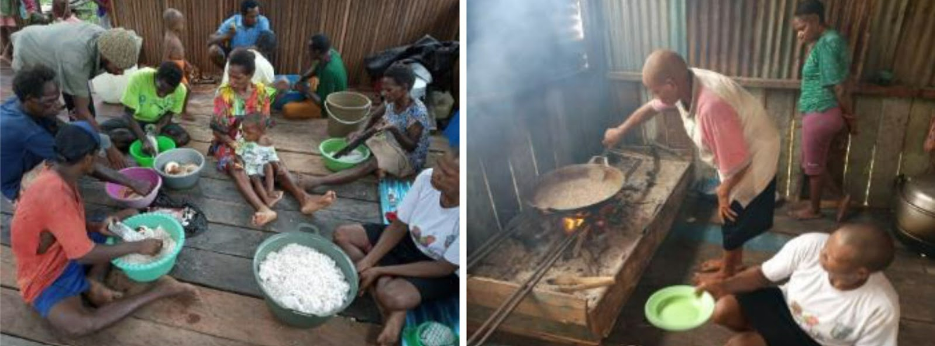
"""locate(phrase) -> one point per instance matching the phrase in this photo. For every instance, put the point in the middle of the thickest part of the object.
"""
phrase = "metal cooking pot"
(915, 212)
(577, 186)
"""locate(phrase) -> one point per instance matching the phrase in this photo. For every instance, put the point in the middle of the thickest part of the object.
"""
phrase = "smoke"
(519, 44)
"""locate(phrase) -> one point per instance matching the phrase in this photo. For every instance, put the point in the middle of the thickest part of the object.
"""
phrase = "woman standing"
(231, 103)
(824, 101)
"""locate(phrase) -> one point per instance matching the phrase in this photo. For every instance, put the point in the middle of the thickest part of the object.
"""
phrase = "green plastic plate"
(678, 308)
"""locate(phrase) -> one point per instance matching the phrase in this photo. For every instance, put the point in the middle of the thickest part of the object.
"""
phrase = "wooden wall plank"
(861, 154)
(482, 222)
(915, 161)
(780, 104)
(886, 158)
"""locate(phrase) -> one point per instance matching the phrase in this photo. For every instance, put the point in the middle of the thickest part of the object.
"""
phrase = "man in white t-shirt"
(262, 52)
(836, 294)
(416, 257)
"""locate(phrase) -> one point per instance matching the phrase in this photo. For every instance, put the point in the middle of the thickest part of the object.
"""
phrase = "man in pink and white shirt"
(733, 133)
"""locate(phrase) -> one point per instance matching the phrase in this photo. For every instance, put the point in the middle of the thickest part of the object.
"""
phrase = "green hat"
(120, 46)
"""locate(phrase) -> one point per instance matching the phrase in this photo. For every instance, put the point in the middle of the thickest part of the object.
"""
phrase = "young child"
(257, 156)
(174, 22)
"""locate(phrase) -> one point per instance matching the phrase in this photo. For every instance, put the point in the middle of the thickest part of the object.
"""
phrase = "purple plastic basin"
(136, 173)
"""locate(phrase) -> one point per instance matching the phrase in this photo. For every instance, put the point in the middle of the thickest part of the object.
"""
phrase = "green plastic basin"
(332, 145)
(678, 308)
(152, 271)
(144, 160)
(315, 241)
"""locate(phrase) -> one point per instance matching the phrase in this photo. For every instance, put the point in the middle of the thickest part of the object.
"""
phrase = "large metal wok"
(576, 186)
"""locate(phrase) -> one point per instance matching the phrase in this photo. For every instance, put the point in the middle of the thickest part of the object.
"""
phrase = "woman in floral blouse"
(232, 101)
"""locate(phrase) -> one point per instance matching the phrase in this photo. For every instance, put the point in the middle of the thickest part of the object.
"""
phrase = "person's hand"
(301, 87)
(612, 136)
(353, 136)
(711, 285)
(232, 29)
(141, 187)
(103, 228)
(282, 85)
(723, 205)
(148, 148)
(149, 247)
(385, 126)
(851, 122)
(368, 277)
(364, 264)
(116, 159)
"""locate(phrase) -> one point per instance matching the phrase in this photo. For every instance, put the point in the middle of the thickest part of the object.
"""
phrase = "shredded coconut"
(354, 156)
(168, 244)
(303, 279)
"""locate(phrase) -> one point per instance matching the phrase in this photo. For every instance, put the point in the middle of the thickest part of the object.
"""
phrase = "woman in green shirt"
(824, 102)
(152, 97)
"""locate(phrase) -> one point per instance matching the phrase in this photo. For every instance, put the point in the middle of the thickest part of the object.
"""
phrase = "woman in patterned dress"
(234, 100)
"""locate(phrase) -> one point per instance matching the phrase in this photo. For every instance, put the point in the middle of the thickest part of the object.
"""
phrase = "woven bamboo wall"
(357, 28)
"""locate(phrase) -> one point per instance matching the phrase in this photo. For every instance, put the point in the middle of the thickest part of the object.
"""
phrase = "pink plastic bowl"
(137, 173)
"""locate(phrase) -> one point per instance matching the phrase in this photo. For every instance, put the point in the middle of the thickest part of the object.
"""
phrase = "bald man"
(836, 293)
(733, 134)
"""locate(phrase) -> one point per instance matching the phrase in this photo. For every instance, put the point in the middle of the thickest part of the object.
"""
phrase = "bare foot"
(843, 205)
(261, 218)
(316, 203)
(804, 214)
(394, 324)
(168, 286)
(100, 295)
(274, 197)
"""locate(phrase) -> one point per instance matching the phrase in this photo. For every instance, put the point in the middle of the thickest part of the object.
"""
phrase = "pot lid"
(920, 191)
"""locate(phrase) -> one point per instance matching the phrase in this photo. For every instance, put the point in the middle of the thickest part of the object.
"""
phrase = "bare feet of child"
(263, 217)
(99, 294)
(316, 203)
(274, 197)
(394, 324)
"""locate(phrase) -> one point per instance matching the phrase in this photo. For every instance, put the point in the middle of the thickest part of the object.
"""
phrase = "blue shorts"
(71, 283)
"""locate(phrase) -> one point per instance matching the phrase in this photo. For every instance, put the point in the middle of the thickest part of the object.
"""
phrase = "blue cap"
(86, 126)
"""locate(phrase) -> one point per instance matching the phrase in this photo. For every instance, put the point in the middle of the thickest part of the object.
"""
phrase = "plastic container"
(346, 112)
(144, 160)
(678, 308)
(182, 156)
(153, 270)
(332, 145)
(315, 241)
(136, 173)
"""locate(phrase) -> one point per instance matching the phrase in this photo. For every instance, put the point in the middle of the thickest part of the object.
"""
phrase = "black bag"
(197, 224)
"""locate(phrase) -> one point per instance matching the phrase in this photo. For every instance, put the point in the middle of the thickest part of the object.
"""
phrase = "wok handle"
(311, 227)
(601, 159)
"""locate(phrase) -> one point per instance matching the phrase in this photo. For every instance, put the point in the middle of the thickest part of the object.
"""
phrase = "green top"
(827, 65)
(332, 77)
(147, 105)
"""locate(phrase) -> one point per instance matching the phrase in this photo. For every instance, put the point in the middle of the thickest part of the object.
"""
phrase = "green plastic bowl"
(315, 241)
(332, 145)
(154, 270)
(678, 308)
(144, 160)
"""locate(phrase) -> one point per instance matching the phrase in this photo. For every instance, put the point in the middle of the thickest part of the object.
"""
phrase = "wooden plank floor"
(690, 243)
(230, 310)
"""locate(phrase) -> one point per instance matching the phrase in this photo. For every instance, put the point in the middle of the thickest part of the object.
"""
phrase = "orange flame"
(572, 223)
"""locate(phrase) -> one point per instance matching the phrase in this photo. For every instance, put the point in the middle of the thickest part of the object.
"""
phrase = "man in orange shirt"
(53, 243)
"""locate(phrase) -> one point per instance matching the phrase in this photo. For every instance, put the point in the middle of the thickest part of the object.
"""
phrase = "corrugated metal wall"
(356, 27)
(754, 38)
